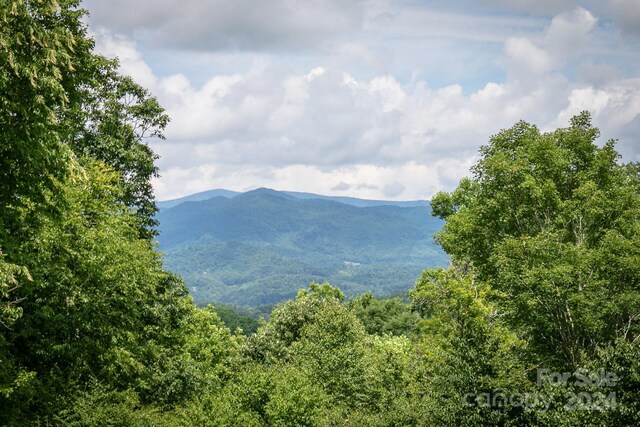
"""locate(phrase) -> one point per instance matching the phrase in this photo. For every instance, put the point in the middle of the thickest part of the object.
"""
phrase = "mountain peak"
(263, 191)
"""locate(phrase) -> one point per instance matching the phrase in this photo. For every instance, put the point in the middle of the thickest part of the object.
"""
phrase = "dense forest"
(257, 247)
(535, 321)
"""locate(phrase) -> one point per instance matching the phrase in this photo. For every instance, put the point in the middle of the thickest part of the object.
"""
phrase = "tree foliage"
(116, 118)
(83, 296)
(552, 222)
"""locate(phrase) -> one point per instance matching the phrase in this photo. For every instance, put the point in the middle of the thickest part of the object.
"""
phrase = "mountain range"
(261, 246)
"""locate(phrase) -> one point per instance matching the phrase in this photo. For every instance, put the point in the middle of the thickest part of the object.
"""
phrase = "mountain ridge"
(261, 246)
(354, 201)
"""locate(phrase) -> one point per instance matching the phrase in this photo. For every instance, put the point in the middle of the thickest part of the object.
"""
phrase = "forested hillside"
(257, 247)
(535, 321)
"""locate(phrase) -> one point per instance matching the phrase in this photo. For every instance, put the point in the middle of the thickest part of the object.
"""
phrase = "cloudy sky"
(374, 98)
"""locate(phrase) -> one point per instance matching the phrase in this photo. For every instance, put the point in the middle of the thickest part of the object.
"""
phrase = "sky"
(375, 99)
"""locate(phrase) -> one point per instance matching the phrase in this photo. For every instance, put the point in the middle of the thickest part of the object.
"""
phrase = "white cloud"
(319, 128)
(525, 59)
(569, 33)
(616, 111)
(563, 39)
(613, 106)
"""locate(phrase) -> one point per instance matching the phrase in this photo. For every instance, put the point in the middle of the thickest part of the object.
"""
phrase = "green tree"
(384, 316)
(361, 376)
(332, 350)
(273, 340)
(99, 305)
(115, 119)
(470, 361)
(57, 99)
(76, 213)
(14, 380)
(39, 44)
(10, 276)
(552, 222)
(243, 318)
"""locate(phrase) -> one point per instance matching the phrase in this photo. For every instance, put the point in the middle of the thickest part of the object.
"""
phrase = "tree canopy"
(551, 222)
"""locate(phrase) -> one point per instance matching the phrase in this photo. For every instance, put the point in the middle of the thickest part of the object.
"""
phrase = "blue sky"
(374, 98)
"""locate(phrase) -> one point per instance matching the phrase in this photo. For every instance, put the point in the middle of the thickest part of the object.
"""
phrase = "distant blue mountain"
(205, 195)
(209, 194)
(263, 245)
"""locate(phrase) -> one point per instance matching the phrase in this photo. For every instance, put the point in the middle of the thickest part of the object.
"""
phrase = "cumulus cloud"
(564, 39)
(569, 32)
(228, 24)
(525, 59)
(319, 128)
(321, 118)
(615, 108)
